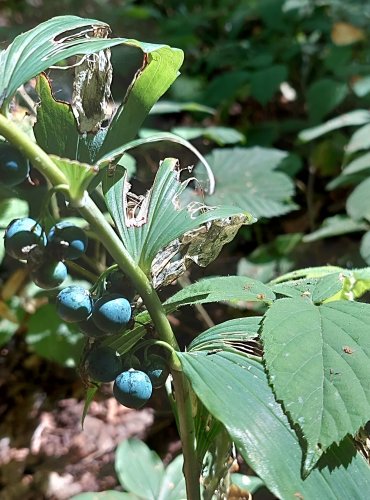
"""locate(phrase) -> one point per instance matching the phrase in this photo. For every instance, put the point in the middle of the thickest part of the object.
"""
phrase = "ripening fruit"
(89, 328)
(74, 303)
(130, 361)
(69, 240)
(103, 364)
(14, 167)
(21, 235)
(112, 312)
(156, 369)
(132, 388)
(117, 282)
(50, 275)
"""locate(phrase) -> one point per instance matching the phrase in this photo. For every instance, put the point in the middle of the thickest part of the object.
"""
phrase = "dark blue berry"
(69, 240)
(21, 235)
(14, 167)
(103, 364)
(132, 388)
(89, 328)
(50, 275)
(112, 313)
(74, 304)
(156, 369)
(117, 282)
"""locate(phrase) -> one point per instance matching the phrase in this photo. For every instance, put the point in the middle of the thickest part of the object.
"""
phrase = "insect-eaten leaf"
(161, 232)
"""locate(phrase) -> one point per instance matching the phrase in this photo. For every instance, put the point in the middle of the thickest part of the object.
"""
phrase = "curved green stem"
(91, 213)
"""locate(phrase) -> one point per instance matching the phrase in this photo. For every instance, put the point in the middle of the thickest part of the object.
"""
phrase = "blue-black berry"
(156, 369)
(21, 235)
(112, 312)
(74, 304)
(69, 241)
(132, 388)
(14, 167)
(102, 364)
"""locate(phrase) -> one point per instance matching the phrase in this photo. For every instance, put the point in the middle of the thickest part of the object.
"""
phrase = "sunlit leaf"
(335, 226)
(247, 177)
(359, 140)
(358, 202)
(313, 355)
(235, 390)
(358, 117)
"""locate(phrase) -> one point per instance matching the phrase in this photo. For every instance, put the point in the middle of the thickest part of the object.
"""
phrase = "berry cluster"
(25, 239)
(132, 387)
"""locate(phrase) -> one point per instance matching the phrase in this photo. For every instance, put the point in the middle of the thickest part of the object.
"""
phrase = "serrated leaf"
(235, 390)
(335, 226)
(61, 140)
(247, 177)
(358, 117)
(234, 331)
(221, 289)
(318, 289)
(318, 359)
(159, 219)
(139, 469)
(358, 202)
(359, 140)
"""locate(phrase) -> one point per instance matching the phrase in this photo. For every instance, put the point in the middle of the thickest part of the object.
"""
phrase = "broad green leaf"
(235, 390)
(53, 339)
(323, 96)
(359, 140)
(105, 495)
(43, 46)
(308, 272)
(159, 219)
(358, 202)
(318, 289)
(160, 69)
(318, 360)
(335, 226)
(173, 482)
(365, 247)
(139, 470)
(266, 82)
(358, 117)
(221, 289)
(235, 331)
(247, 177)
(220, 135)
(61, 139)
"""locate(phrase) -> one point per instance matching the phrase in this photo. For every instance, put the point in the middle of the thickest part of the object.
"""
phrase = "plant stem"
(91, 213)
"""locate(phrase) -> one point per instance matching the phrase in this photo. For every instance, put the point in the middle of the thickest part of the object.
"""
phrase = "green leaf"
(335, 226)
(358, 202)
(165, 107)
(358, 165)
(89, 398)
(139, 469)
(173, 482)
(221, 289)
(323, 96)
(266, 82)
(61, 140)
(220, 135)
(318, 289)
(247, 177)
(43, 46)
(358, 117)
(160, 69)
(78, 175)
(318, 361)
(247, 483)
(235, 331)
(235, 390)
(160, 219)
(53, 339)
(359, 140)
